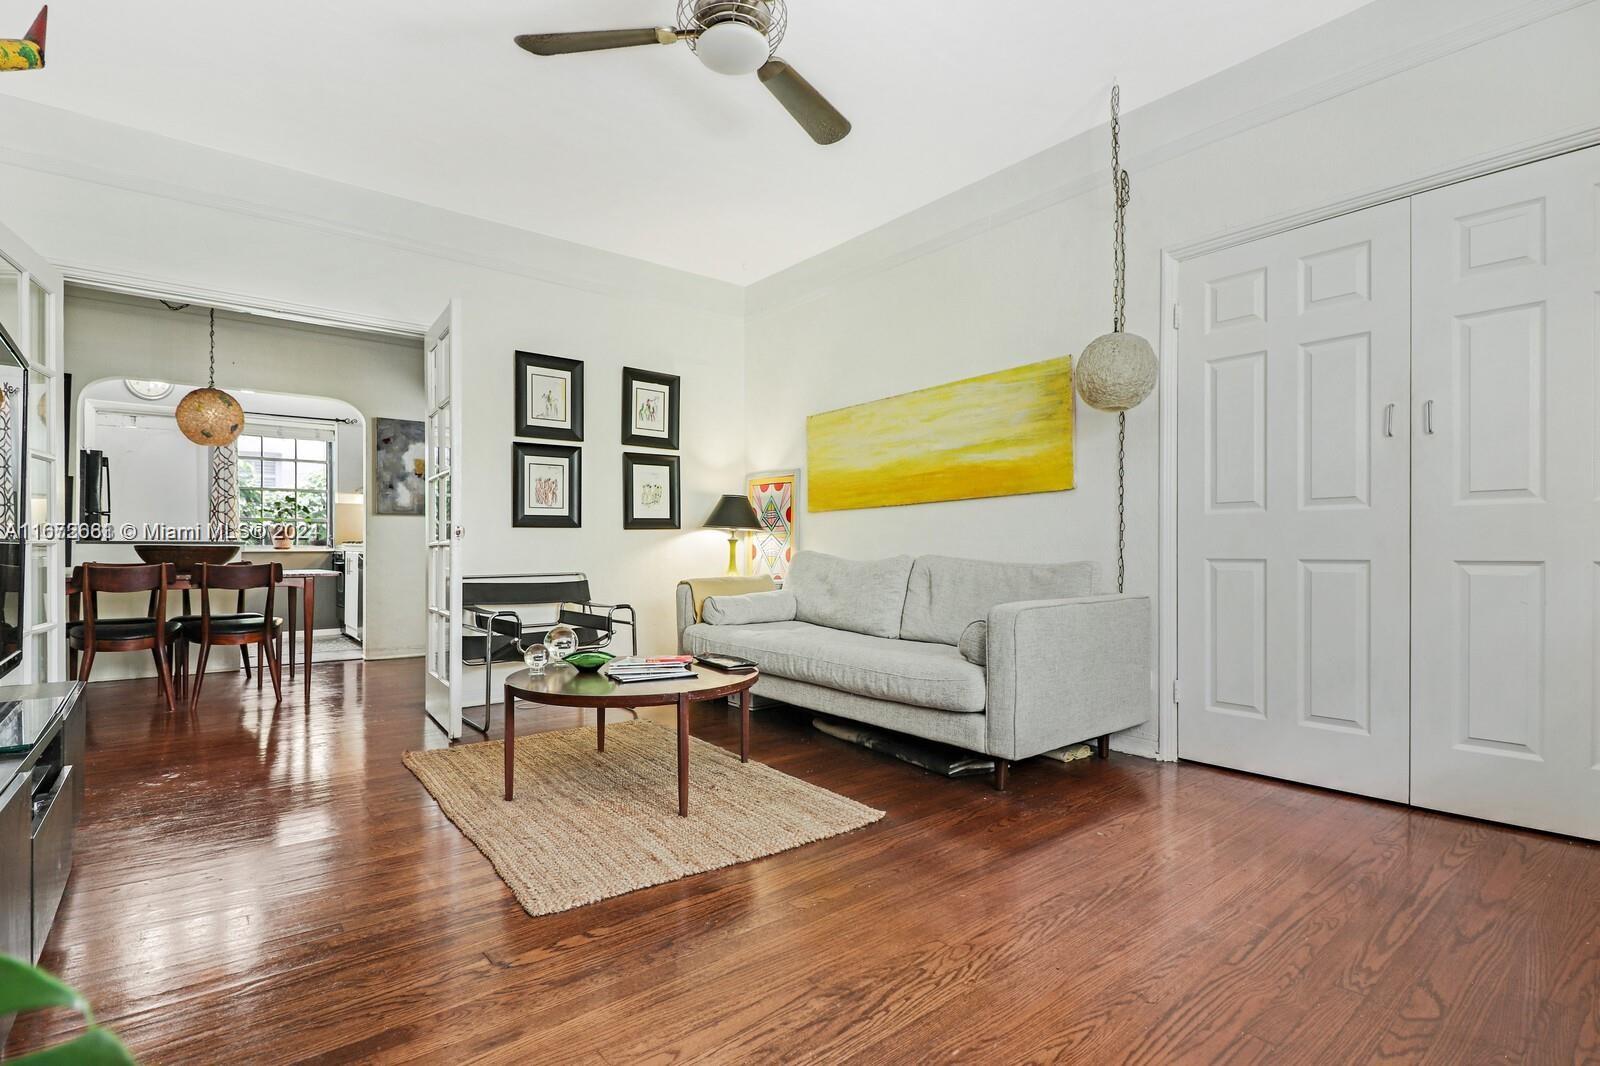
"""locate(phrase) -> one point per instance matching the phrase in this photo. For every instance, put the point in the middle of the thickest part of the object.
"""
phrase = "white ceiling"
(642, 151)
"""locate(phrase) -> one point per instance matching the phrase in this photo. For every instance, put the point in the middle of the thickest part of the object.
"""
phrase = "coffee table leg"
(744, 726)
(600, 727)
(511, 744)
(683, 756)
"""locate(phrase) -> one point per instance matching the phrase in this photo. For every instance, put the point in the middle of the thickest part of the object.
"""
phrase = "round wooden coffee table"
(563, 686)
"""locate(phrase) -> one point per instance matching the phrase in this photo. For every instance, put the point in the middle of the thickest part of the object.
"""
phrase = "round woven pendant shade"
(210, 417)
(1116, 372)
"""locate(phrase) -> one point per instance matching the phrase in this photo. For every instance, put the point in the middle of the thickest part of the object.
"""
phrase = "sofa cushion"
(974, 642)
(859, 596)
(752, 607)
(900, 671)
(945, 594)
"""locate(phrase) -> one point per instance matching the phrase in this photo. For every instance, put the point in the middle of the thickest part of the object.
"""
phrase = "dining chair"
(238, 629)
(151, 633)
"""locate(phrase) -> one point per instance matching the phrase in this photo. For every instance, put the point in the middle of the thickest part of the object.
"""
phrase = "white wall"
(1017, 268)
(128, 208)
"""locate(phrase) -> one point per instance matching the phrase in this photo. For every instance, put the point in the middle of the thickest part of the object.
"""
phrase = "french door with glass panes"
(31, 293)
(442, 479)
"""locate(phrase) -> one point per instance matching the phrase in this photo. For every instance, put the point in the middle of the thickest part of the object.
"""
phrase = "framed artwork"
(546, 486)
(649, 409)
(399, 465)
(775, 494)
(649, 491)
(1001, 434)
(549, 393)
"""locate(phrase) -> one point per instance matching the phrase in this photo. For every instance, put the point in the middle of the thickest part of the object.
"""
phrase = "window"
(285, 479)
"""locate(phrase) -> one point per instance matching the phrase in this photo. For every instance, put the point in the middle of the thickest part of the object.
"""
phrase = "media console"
(42, 744)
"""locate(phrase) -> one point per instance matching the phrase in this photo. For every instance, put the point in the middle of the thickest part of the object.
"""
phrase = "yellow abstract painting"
(1001, 434)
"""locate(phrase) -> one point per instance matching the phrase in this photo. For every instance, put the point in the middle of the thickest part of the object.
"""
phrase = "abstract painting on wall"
(1001, 434)
(774, 496)
(399, 465)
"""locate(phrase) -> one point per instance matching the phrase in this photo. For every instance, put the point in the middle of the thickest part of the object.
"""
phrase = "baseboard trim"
(1142, 746)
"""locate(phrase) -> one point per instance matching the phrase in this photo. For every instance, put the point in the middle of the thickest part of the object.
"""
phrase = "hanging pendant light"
(1118, 370)
(209, 416)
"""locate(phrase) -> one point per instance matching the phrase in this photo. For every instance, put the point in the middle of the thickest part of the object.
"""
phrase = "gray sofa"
(1007, 659)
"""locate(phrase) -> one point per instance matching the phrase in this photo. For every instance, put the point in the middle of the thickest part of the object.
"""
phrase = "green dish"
(588, 661)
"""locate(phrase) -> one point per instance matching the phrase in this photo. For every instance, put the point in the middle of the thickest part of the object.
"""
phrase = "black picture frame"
(525, 514)
(526, 364)
(666, 385)
(630, 518)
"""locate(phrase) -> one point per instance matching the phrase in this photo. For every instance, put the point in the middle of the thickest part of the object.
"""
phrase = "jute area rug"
(586, 826)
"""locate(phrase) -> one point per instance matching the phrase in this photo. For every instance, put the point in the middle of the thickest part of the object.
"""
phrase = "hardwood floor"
(273, 886)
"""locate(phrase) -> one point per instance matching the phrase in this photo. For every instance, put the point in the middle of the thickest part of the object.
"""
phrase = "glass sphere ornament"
(560, 642)
(1117, 372)
(534, 657)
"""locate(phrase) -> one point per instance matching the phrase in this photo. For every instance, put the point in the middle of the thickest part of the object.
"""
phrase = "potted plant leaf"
(25, 988)
(282, 515)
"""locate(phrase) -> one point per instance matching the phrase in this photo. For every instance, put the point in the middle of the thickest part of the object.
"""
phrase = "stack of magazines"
(662, 668)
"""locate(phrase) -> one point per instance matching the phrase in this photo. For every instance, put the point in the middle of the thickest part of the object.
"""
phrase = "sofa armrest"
(1063, 671)
(686, 617)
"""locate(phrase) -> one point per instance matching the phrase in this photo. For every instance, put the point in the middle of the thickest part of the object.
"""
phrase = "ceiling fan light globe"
(732, 48)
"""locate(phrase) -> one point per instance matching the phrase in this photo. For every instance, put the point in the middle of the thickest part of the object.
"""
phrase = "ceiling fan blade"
(802, 100)
(560, 44)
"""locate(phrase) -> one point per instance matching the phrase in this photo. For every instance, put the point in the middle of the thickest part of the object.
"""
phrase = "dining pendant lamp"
(209, 416)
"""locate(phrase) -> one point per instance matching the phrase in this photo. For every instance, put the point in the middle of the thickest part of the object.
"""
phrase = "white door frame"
(1172, 259)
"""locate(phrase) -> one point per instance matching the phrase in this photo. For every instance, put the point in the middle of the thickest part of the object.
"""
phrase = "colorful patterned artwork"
(772, 547)
(1001, 434)
(26, 52)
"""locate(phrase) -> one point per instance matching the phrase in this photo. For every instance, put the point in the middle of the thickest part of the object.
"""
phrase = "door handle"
(1427, 418)
(1388, 420)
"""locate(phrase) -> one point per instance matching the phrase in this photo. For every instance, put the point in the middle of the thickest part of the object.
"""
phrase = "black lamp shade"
(733, 512)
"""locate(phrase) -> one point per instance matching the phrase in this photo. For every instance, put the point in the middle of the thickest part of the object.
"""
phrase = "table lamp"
(733, 513)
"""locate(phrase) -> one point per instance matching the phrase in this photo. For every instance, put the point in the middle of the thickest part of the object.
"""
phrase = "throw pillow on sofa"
(856, 596)
(750, 609)
(974, 643)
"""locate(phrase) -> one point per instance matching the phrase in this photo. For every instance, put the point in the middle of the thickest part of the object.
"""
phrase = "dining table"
(300, 584)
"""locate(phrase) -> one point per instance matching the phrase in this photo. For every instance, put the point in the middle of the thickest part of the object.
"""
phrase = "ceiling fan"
(730, 37)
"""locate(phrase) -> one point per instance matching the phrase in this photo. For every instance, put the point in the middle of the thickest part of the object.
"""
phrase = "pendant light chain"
(211, 382)
(1121, 192)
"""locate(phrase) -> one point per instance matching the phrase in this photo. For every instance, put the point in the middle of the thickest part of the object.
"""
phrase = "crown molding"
(804, 281)
(584, 268)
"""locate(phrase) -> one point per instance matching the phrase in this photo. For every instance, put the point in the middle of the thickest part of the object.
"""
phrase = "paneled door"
(442, 349)
(31, 293)
(1294, 471)
(1506, 576)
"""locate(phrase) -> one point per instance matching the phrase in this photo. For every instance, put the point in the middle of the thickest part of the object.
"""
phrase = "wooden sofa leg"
(1002, 771)
(1103, 747)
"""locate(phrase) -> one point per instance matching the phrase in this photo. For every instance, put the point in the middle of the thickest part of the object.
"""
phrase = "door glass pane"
(41, 475)
(39, 655)
(39, 598)
(39, 413)
(10, 279)
(38, 349)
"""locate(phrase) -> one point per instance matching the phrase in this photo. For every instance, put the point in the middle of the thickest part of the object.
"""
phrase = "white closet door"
(1293, 505)
(1506, 578)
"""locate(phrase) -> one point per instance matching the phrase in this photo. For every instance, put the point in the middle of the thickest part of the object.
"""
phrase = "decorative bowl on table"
(588, 662)
(185, 557)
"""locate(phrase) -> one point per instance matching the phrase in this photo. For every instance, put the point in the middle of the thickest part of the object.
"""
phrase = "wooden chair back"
(154, 578)
(238, 577)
